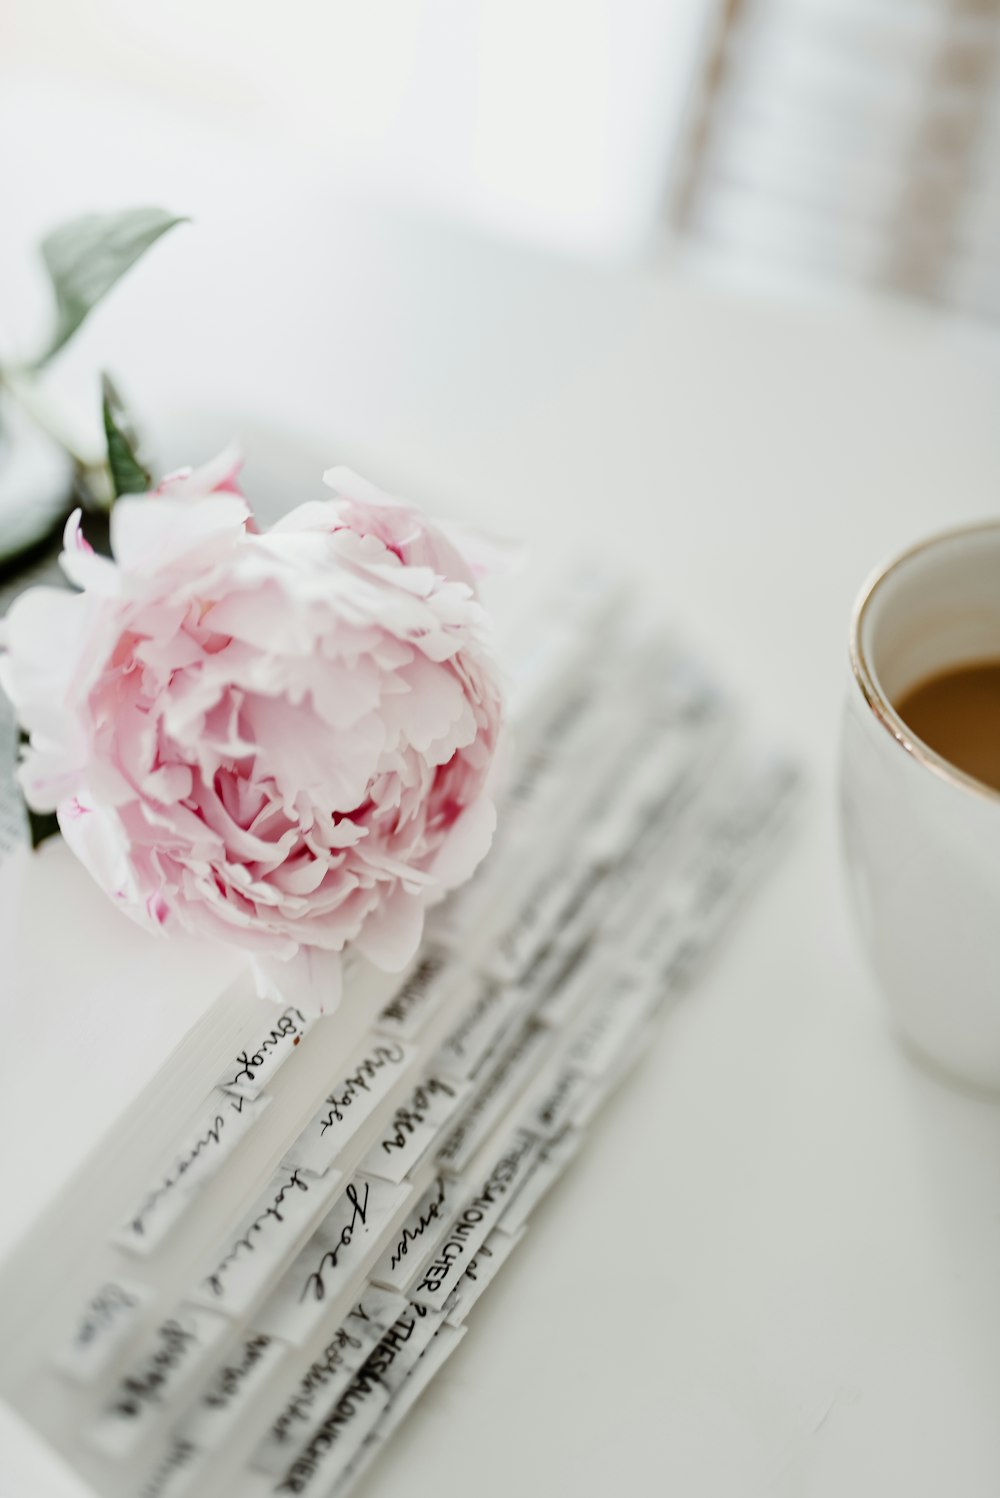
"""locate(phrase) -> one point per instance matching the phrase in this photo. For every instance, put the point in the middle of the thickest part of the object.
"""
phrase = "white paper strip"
(253, 1067)
(325, 1266)
(421, 996)
(474, 1222)
(413, 1127)
(552, 1159)
(485, 1015)
(377, 1308)
(610, 1019)
(444, 1342)
(326, 1378)
(398, 1351)
(221, 1124)
(338, 1439)
(551, 1102)
(267, 1235)
(602, 1087)
(108, 1319)
(175, 1474)
(516, 1066)
(349, 1103)
(175, 1352)
(418, 1235)
(481, 1273)
(575, 984)
(220, 1406)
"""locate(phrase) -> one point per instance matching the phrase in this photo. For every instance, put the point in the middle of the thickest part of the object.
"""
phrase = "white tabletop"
(775, 1268)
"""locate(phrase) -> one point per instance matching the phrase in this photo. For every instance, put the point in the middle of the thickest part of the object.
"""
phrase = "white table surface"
(775, 1268)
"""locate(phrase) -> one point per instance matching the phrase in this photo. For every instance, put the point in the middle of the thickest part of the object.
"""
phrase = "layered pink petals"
(279, 740)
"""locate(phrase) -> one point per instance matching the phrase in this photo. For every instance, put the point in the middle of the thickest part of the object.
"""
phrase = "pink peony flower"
(279, 740)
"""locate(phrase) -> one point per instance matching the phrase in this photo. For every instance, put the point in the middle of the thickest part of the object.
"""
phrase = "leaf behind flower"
(86, 257)
(129, 474)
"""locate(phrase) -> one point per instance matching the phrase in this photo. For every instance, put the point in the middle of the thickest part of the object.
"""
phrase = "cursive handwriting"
(410, 1234)
(406, 1120)
(247, 1243)
(180, 1455)
(227, 1384)
(211, 1136)
(357, 1082)
(306, 1464)
(329, 1260)
(144, 1386)
(489, 993)
(284, 1027)
(531, 1036)
(312, 1383)
(102, 1310)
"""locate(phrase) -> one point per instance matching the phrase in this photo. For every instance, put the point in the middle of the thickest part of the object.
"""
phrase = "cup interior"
(934, 608)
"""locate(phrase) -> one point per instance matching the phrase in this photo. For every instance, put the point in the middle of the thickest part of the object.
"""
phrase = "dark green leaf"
(129, 475)
(87, 256)
(42, 825)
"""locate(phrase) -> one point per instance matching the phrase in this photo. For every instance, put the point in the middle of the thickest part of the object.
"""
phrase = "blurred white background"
(617, 277)
(551, 119)
(854, 138)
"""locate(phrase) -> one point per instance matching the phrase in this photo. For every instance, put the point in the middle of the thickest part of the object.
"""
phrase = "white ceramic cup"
(922, 839)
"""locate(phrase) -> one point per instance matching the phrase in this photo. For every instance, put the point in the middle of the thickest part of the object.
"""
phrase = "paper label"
(647, 792)
(327, 1264)
(514, 950)
(413, 1127)
(398, 1351)
(556, 958)
(417, 1236)
(349, 1103)
(234, 1385)
(326, 1378)
(252, 1068)
(481, 1273)
(551, 1104)
(176, 1351)
(222, 1123)
(495, 1096)
(444, 1342)
(490, 1009)
(573, 986)
(420, 997)
(106, 1322)
(613, 1015)
(176, 1472)
(637, 1046)
(283, 1212)
(338, 1439)
(474, 1222)
(552, 1159)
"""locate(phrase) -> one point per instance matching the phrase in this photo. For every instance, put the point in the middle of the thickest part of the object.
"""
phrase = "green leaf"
(87, 256)
(41, 826)
(129, 475)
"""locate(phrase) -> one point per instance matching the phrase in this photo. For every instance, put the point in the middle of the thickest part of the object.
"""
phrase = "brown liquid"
(957, 713)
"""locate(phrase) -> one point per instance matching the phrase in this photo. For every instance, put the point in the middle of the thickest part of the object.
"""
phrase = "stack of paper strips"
(282, 1241)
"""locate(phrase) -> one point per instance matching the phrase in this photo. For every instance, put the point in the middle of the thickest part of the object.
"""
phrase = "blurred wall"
(550, 120)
